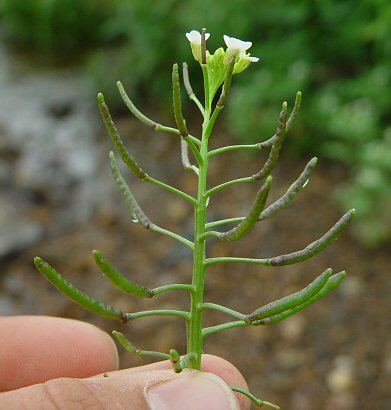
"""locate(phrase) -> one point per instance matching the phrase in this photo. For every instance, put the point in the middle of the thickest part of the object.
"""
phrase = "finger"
(153, 389)
(212, 364)
(35, 349)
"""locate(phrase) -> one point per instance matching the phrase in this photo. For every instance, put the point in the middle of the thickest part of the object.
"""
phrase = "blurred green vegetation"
(55, 26)
(338, 52)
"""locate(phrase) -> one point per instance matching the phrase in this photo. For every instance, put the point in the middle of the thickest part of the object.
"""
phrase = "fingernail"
(192, 390)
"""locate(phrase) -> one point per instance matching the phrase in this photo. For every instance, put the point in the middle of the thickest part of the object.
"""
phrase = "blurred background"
(57, 199)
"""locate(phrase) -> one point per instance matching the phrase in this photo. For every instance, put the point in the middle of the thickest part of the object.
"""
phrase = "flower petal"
(195, 36)
(236, 44)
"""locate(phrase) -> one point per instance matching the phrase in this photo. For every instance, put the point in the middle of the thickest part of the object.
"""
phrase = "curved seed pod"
(227, 80)
(126, 344)
(291, 301)
(132, 108)
(268, 143)
(291, 193)
(295, 111)
(118, 280)
(117, 141)
(314, 247)
(331, 284)
(186, 80)
(133, 349)
(185, 154)
(130, 200)
(69, 290)
(276, 147)
(248, 223)
(176, 95)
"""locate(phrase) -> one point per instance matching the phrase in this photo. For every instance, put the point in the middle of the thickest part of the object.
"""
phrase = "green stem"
(212, 120)
(220, 222)
(189, 89)
(223, 309)
(154, 228)
(229, 183)
(233, 148)
(194, 327)
(224, 326)
(174, 286)
(133, 349)
(171, 189)
(255, 400)
(158, 312)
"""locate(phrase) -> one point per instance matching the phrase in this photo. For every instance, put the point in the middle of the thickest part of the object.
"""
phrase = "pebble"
(341, 377)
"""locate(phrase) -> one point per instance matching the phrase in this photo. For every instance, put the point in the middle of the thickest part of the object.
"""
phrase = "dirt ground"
(336, 355)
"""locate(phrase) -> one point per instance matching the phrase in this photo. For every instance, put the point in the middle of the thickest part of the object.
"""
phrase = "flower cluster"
(217, 62)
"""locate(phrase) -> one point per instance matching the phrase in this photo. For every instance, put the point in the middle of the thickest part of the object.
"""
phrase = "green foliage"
(55, 26)
(337, 52)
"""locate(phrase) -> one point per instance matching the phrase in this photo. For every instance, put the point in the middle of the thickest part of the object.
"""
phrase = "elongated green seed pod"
(291, 301)
(314, 247)
(133, 349)
(248, 223)
(176, 95)
(295, 111)
(117, 141)
(276, 147)
(186, 80)
(69, 290)
(137, 213)
(331, 284)
(126, 344)
(291, 193)
(132, 108)
(227, 80)
(118, 280)
(268, 143)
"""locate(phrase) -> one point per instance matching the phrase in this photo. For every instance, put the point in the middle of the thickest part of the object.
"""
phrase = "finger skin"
(47, 354)
(35, 349)
(123, 389)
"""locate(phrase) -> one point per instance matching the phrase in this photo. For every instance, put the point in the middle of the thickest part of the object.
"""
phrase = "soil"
(335, 355)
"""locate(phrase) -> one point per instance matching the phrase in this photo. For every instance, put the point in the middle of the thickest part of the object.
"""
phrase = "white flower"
(243, 59)
(195, 41)
(195, 37)
(236, 44)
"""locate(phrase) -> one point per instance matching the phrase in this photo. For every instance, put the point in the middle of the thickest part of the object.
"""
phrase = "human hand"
(52, 363)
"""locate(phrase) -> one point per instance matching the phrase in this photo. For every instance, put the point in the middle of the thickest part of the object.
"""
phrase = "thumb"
(153, 390)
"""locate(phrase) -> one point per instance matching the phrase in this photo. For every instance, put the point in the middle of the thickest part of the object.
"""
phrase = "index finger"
(35, 349)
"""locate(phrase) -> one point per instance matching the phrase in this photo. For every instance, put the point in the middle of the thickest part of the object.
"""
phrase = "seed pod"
(227, 80)
(291, 193)
(132, 108)
(117, 141)
(118, 280)
(315, 247)
(331, 284)
(276, 147)
(69, 290)
(176, 95)
(291, 301)
(295, 111)
(248, 223)
(137, 213)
